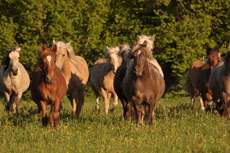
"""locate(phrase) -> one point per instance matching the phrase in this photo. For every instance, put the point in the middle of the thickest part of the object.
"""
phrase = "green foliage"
(183, 28)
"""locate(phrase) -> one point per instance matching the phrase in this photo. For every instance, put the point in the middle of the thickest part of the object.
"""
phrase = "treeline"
(183, 28)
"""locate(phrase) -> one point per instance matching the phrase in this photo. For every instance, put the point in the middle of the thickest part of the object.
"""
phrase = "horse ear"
(54, 48)
(18, 49)
(69, 43)
(138, 37)
(108, 49)
(54, 42)
(153, 38)
(43, 47)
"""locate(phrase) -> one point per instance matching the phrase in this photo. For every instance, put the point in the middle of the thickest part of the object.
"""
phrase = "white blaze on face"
(49, 58)
(139, 51)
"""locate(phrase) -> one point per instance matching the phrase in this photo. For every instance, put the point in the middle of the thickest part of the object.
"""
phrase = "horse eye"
(63, 55)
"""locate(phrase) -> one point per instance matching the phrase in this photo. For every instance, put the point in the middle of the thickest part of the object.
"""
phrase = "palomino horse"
(197, 80)
(76, 73)
(102, 77)
(143, 84)
(48, 86)
(219, 84)
(14, 79)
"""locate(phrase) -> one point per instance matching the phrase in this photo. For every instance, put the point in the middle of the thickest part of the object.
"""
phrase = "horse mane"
(148, 51)
(70, 50)
(108, 51)
(6, 59)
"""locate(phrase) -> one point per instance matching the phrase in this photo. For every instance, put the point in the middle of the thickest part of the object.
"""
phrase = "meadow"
(176, 128)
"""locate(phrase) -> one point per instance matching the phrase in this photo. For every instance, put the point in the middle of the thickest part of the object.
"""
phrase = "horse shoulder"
(80, 68)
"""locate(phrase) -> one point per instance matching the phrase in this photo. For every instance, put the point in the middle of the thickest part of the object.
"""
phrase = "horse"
(76, 73)
(102, 77)
(197, 80)
(219, 84)
(143, 84)
(125, 53)
(14, 79)
(48, 86)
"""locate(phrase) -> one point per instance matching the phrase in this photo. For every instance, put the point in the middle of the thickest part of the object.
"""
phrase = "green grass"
(176, 128)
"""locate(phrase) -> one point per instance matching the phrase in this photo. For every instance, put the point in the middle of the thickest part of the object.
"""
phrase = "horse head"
(48, 63)
(63, 52)
(113, 55)
(13, 60)
(213, 56)
(140, 59)
(148, 39)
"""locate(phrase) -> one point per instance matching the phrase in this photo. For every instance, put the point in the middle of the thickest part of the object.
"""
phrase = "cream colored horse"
(102, 77)
(14, 79)
(76, 73)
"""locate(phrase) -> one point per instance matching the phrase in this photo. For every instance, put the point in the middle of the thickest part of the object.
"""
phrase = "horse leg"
(115, 102)
(56, 113)
(128, 111)
(7, 99)
(151, 114)
(201, 103)
(106, 100)
(44, 119)
(17, 101)
(80, 101)
(97, 106)
(51, 116)
(140, 114)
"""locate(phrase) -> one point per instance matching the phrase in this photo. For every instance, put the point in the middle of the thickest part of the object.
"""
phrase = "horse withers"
(48, 86)
(143, 84)
(14, 79)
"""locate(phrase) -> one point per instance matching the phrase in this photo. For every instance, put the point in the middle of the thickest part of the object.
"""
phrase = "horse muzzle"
(15, 72)
(49, 80)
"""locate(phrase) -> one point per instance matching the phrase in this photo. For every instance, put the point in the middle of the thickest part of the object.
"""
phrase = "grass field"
(176, 128)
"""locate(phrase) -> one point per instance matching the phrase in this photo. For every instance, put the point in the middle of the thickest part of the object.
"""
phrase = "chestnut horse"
(48, 86)
(143, 84)
(197, 80)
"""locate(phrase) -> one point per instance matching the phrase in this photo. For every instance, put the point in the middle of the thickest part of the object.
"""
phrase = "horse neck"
(66, 71)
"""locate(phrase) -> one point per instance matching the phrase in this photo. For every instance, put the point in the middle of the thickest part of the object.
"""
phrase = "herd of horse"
(129, 73)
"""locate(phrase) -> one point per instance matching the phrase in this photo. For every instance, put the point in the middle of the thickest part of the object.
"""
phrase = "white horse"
(150, 45)
(14, 79)
(102, 77)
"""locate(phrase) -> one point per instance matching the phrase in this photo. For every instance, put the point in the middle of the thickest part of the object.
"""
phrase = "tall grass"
(176, 128)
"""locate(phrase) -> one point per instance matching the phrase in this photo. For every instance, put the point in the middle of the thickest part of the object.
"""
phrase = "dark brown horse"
(48, 86)
(197, 80)
(143, 84)
(125, 53)
(220, 85)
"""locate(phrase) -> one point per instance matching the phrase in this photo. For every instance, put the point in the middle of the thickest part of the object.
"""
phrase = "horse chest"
(47, 92)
